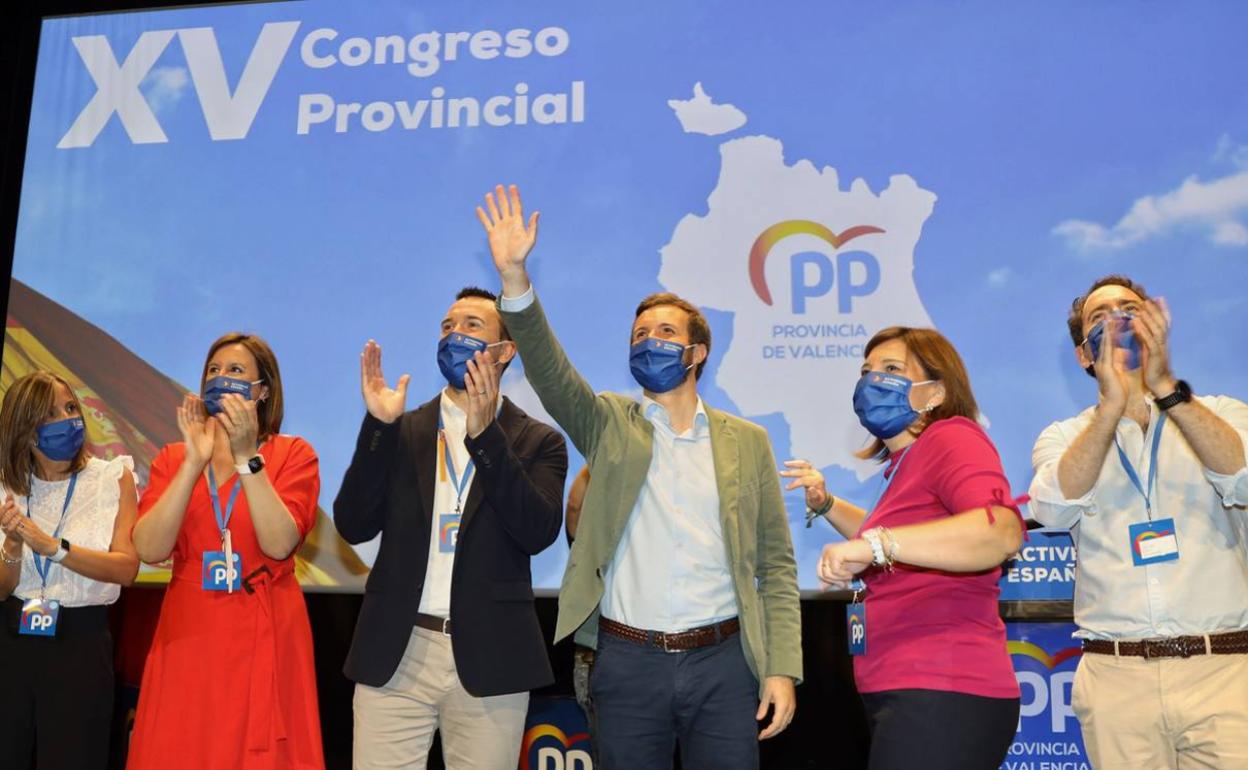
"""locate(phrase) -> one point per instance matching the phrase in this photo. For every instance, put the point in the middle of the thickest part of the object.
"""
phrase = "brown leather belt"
(434, 623)
(680, 641)
(1231, 643)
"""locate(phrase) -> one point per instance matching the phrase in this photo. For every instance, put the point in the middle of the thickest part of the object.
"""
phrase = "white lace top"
(88, 524)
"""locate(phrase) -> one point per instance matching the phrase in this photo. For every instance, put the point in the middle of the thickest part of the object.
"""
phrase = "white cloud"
(1228, 151)
(999, 277)
(1216, 208)
(164, 87)
(700, 115)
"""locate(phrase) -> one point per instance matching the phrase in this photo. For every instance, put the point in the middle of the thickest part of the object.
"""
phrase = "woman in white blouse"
(66, 518)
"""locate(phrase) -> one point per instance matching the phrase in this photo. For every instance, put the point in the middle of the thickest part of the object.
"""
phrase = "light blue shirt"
(1206, 590)
(670, 571)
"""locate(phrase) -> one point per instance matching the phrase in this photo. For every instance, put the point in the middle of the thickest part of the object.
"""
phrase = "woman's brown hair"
(270, 410)
(939, 361)
(27, 404)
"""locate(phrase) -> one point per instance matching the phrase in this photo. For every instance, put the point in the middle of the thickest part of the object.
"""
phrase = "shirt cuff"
(1231, 487)
(1049, 507)
(516, 304)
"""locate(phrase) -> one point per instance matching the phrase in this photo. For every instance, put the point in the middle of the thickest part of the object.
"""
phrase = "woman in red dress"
(229, 682)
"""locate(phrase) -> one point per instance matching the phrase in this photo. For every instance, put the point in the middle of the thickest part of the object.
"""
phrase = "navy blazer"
(514, 511)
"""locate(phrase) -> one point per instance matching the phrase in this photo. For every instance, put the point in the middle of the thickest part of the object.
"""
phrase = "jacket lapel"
(727, 456)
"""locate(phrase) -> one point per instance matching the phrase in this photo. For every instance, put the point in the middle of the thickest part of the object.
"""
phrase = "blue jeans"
(648, 701)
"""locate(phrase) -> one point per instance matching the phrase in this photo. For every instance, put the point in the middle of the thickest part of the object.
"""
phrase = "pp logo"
(228, 115)
(217, 575)
(555, 751)
(857, 631)
(448, 532)
(813, 274)
(38, 618)
(1045, 690)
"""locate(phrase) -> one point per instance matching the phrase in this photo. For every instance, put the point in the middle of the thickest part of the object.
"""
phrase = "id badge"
(218, 576)
(448, 532)
(856, 628)
(39, 617)
(1153, 542)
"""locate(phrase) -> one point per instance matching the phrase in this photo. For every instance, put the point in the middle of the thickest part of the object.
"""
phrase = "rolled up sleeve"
(1231, 487)
(1048, 505)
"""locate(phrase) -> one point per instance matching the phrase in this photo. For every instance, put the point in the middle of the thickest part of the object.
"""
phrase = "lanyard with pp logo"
(856, 612)
(1151, 541)
(39, 616)
(448, 523)
(222, 569)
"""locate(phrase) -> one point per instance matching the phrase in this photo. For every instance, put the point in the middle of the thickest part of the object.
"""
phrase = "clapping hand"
(198, 432)
(384, 403)
(481, 383)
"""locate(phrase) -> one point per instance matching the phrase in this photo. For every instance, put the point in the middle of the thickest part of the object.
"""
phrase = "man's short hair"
(699, 329)
(476, 291)
(1074, 321)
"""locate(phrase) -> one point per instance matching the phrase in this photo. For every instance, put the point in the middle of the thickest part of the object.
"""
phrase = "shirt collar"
(655, 412)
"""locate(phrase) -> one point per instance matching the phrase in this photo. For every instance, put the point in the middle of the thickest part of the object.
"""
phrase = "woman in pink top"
(934, 676)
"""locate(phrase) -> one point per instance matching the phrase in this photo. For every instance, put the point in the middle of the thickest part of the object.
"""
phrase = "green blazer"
(616, 439)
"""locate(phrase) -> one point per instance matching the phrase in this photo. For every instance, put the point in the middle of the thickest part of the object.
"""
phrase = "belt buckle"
(664, 645)
(446, 626)
(1165, 648)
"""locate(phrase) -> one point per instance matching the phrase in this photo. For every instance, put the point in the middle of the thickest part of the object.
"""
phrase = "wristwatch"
(61, 552)
(1181, 395)
(254, 465)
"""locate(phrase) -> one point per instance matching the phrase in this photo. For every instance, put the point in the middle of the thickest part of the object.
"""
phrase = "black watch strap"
(1181, 395)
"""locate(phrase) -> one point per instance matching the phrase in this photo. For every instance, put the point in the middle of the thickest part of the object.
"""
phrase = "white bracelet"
(872, 536)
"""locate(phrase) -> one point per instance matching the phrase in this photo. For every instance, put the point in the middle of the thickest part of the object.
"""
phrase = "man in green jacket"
(682, 573)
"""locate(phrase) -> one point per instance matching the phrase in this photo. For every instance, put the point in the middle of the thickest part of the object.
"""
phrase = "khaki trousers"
(394, 724)
(1163, 714)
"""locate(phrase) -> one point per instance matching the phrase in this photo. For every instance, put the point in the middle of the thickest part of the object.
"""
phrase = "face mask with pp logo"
(882, 403)
(220, 386)
(455, 350)
(658, 365)
(62, 439)
(1124, 337)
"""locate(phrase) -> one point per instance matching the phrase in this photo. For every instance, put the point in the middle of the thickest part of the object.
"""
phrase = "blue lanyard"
(888, 479)
(1152, 466)
(460, 482)
(858, 585)
(43, 564)
(223, 519)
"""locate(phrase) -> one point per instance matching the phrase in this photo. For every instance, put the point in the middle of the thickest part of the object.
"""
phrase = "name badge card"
(218, 574)
(39, 617)
(856, 627)
(1153, 542)
(448, 532)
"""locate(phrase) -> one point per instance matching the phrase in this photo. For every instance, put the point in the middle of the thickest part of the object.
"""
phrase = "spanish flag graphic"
(129, 409)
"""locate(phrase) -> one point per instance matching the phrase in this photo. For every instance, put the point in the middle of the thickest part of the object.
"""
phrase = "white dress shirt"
(1206, 589)
(435, 599)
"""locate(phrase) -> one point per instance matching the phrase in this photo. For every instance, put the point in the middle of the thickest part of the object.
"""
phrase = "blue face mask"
(1125, 338)
(455, 350)
(62, 439)
(882, 403)
(220, 386)
(658, 365)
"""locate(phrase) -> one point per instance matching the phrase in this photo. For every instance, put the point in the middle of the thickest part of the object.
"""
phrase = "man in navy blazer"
(463, 490)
